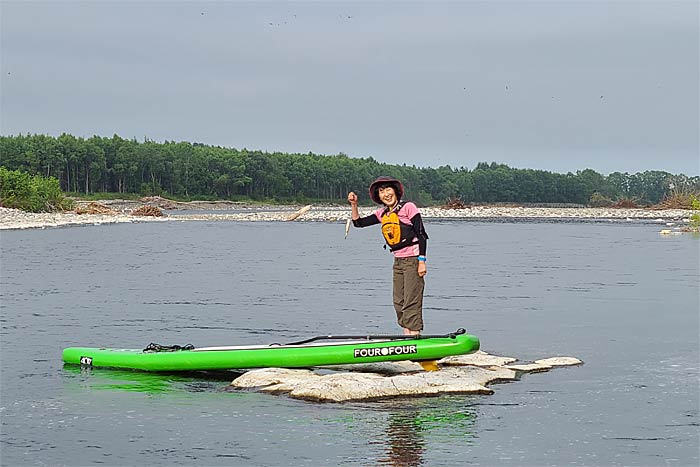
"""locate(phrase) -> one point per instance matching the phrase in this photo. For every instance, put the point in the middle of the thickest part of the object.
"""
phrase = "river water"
(617, 295)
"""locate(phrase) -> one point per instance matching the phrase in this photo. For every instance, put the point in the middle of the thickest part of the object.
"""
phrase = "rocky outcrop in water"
(464, 374)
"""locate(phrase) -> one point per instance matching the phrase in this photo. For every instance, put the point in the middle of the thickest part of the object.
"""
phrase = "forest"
(184, 170)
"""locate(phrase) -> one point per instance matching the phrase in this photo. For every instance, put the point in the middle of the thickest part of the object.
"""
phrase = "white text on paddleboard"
(384, 351)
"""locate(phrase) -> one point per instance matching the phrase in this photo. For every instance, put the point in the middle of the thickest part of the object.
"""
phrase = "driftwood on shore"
(299, 213)
(94, 208)
(147, 211)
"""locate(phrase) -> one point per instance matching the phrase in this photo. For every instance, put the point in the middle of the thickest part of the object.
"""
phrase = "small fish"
(347, 227)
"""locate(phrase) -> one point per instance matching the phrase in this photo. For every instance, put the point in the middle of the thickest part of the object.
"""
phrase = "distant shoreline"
(13, 219)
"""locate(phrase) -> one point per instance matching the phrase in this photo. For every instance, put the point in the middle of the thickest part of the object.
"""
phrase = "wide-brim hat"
(374, 188)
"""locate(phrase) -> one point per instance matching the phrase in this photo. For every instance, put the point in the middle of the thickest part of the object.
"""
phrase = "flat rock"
(282, 378)
(560, 361)
(383, 368)
(530, 367)
(393, 379)
(478, 358)
(342, 387)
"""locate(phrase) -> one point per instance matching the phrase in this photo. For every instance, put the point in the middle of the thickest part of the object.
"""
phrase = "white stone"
(266, 377)
(340, 387)
(529, 367)
(350, 386)
(383, 368)
(478, 358)
(560, 361)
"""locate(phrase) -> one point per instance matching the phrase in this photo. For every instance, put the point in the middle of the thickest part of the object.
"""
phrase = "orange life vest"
(396, 234)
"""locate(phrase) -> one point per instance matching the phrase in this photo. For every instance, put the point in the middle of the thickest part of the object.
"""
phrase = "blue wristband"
(421, 258)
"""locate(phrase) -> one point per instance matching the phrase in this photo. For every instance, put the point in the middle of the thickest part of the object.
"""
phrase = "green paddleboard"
(298, 355)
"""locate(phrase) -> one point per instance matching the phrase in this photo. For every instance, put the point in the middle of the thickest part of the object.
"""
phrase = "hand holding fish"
(352, 199)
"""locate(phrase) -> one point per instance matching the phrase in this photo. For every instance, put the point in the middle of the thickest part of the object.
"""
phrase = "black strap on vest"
(402, 226)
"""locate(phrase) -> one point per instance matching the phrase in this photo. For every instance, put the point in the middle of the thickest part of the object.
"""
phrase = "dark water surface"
(619, 296)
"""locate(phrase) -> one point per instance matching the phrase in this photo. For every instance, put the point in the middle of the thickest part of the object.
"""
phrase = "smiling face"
(387, 195)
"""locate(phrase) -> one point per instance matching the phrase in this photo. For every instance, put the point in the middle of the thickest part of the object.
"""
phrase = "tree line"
(199, 171)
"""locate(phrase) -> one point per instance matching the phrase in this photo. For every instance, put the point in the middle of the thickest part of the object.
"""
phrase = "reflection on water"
(412, 427)
(405, 442)
(88, 378)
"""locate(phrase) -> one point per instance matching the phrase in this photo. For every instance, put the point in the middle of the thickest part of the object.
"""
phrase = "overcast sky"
(554, 85)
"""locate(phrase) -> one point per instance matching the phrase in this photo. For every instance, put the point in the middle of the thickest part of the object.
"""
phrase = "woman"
(404, 233)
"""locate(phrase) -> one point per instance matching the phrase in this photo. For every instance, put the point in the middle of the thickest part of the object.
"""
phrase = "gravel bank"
(11, 219)
(16, 219)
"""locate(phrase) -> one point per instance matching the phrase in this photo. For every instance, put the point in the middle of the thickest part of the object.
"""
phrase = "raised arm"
(358, 221)
(352, 199)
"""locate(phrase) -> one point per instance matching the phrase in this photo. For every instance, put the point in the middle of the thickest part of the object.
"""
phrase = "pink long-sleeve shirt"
(406, 213)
